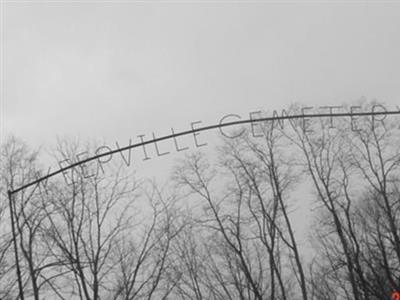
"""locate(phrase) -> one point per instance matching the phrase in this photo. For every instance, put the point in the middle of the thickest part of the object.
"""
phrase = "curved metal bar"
(205, 128)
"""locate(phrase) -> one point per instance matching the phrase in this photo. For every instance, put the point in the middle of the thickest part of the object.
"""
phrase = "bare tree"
(143, 269)
(20, 166)
(351, 169)
(225, 218)
(247, 209)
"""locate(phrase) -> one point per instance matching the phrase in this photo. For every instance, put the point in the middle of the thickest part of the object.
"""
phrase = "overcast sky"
(111, 71)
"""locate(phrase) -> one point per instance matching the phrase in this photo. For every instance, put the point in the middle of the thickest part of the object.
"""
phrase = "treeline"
(220, 228)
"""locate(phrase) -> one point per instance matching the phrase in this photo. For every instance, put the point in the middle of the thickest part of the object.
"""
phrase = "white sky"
(112, 71)
(115, 70)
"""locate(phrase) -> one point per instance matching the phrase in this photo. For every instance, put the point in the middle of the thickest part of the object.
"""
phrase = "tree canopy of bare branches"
(224, 228)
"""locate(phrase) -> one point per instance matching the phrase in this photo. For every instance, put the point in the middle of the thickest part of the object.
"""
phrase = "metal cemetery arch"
(174, 135)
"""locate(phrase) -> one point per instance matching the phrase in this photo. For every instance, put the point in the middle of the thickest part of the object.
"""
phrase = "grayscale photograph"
(199, 150)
